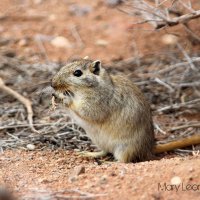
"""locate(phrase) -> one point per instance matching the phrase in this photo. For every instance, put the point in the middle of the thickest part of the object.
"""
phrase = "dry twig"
(27, 103)
(197, 125)
(178, 106)
(179, 20)
(82, 195)
(77, 36)
(159, 17)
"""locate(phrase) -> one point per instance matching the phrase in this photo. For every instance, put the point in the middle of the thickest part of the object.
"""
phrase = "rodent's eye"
(78, 73)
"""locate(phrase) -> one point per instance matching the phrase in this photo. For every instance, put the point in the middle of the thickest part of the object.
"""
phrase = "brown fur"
(112, 110)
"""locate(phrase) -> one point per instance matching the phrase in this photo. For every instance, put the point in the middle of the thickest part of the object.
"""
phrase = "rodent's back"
(132, 117)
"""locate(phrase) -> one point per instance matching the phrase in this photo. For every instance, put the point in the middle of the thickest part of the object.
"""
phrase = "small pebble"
(80, 10)
(113, 174)
(4, 41)
(103, 179)
(191, 169)
(122, 172)
(38, 1)
(190, 178)
(101, 42)
(169, 39)
(176, 180)
(79, 170)
(52, 17)
(30, 147)
(9, 53)
(72, 179)
(23, 42)
(61, 42)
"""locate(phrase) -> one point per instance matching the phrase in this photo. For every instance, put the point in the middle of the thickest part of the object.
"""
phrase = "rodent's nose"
(52, 83)
(55, 82)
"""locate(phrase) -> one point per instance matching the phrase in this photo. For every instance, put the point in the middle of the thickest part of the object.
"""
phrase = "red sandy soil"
(45, 174)
(26, 20)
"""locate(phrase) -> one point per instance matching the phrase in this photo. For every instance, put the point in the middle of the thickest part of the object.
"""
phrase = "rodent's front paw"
(67, 101)
(62, 97)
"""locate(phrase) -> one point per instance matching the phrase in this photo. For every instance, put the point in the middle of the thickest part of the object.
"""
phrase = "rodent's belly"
(95, 133)
(86, 126)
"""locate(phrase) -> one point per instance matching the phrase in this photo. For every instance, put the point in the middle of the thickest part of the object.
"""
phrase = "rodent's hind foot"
(98, 154)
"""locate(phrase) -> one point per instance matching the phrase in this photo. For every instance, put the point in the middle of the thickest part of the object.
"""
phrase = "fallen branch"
(179, 20)
(159, 17)
(169, 68)
(187, 57)
(178, 105)
(191, 33)
(185, 126)
(83, 195)
(22, 18)
(196, 83)
(23, 100)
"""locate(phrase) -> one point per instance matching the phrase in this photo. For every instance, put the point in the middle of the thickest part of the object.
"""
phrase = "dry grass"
(171, 85)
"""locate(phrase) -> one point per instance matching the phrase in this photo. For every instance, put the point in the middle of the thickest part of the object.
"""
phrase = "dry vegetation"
(170, 78)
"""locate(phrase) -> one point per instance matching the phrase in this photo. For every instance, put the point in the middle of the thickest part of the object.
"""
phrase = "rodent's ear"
(95, 67)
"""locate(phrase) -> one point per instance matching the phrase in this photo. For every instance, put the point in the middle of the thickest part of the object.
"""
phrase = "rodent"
(112, 110)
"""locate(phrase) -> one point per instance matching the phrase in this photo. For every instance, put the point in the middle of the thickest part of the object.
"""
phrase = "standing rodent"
(112, 110)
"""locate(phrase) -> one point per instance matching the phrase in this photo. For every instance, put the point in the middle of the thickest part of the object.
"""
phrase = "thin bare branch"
(178, 106)
(27, 103)
(186, 56)
(159, 17)
(179, 20)
(197, 125)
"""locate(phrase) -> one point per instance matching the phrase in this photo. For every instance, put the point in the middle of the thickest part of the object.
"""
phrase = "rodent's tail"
(160, 148)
